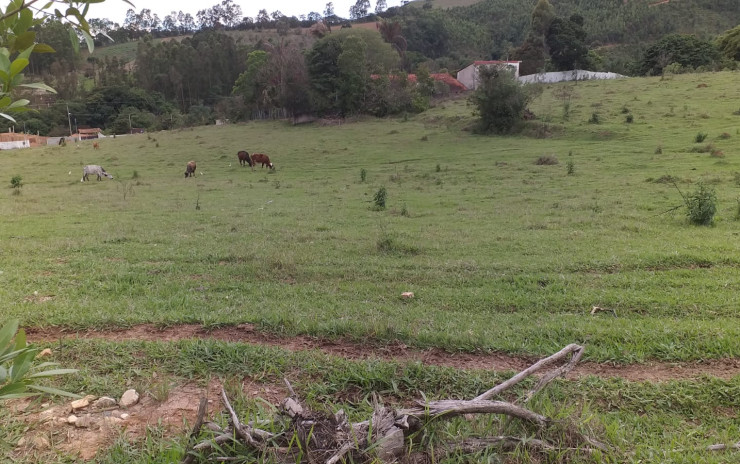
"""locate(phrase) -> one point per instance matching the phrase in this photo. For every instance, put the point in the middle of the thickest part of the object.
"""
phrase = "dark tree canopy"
(565, 44)
(686, 50)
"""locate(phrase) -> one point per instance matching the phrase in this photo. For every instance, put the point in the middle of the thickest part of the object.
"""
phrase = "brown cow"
(263, 159)
(244, 159)
(190, 169)
(96, 145)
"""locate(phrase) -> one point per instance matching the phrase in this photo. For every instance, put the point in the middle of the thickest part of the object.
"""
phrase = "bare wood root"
(723, 446)
(331, 438)
(189, 458)
(575, 351)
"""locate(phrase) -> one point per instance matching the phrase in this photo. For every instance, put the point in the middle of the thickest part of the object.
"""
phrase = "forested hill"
(493, 28)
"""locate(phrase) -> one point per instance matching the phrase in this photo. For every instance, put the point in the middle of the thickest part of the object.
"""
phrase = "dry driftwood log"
(331, 438)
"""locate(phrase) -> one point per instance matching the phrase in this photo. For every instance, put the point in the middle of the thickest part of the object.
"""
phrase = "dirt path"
(246, 333)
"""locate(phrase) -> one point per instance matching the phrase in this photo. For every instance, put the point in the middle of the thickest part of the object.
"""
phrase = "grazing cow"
(244, 159)
(94, 169)
(190, 169)
(263, 160)
(96, 145)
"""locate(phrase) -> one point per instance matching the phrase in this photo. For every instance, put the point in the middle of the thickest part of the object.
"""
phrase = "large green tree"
(686, 50)
(326, 72)
(565, 40)
(729, 44)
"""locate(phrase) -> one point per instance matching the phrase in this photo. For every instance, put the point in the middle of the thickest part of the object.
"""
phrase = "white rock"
(85, 421)
(124, 416)
(407, 295)
(129, 398)
(104, 402)
(72, 419)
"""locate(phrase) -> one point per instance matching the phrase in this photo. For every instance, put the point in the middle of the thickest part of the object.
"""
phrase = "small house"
(469, 76)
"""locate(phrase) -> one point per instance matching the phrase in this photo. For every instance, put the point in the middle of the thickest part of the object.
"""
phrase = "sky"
(115, 10)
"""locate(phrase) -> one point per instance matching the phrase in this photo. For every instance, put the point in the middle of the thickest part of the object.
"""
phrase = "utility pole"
(130, 129)
(69, 120)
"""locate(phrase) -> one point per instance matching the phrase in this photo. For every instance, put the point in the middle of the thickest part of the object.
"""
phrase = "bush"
(546, 160)
(570, 167)
(16, 182)
(19, 368)
(363, 175)
(629, 119)
(594, 118)
(700, 137)
(701, 205)
(380, 197)
(500, 100)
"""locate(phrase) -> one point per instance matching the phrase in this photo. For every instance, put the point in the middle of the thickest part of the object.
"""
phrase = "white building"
(469, 76)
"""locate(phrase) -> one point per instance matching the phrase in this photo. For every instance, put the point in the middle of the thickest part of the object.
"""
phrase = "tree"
(359, 9)
(263, 19)
(380, 6)
(328, 91)
(686, 50)
(729, 44)
(565, 41)
(391, 33)
(329, 11)
(353, 75)
(500, 100)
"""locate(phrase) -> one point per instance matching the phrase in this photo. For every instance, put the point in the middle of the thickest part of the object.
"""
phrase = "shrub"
(500, 101)
(708, 148)
(380, 198)
(363, 175)
(701, 205)
(659, 150)
(594, 119)
(438, 168)
(570, 166)
(16, 182)
(629, 119)
(700, 137)
(19, 368)
(725, 135)
(546, 160)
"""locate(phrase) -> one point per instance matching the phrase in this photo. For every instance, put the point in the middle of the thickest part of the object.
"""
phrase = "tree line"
(210, 74)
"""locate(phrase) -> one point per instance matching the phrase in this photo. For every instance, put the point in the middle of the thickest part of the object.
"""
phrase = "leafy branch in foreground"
(18, 42)
(19, 368)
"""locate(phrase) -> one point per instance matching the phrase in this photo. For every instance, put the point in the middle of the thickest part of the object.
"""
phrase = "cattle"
(262, 159)
(94, 169)
(190, 169)
(96, 145)
(245, 159)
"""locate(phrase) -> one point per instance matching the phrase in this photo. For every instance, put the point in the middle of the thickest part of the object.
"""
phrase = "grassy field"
(501, 253)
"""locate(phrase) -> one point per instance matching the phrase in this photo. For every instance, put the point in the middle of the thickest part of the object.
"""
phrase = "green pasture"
(501, 254)
(641, 422)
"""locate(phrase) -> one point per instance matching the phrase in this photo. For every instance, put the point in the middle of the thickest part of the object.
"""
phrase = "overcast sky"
(115, 10)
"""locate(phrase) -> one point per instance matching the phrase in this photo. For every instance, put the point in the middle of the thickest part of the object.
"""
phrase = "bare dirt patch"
(246, 333)
(48, 433)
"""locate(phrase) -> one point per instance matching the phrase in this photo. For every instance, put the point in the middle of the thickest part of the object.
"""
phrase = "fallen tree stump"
(311, 436)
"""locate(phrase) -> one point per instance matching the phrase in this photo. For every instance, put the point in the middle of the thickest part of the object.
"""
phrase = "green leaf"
(26, 53)
(12, 355)
(4, 63)
(52, 373)
(44, 365)
(24, 21)
(53, 391)
(7, 332)
(20, 339)
(38, 85)
(43, 48)
(74, 39)
(3, 375)
(18, 65)
(89, 40)
(24, 40)
(5, 101)
(12, 388)
(18, 104)
(8, 117)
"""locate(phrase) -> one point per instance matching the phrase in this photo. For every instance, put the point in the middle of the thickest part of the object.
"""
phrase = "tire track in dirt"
(246, 333)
